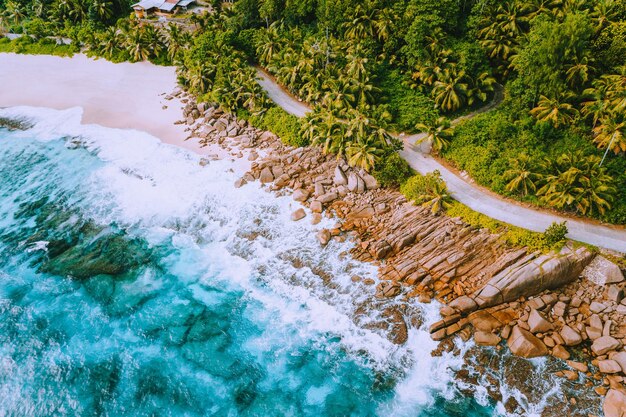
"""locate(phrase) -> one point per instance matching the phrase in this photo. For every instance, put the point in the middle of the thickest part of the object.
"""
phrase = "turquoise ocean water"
(135, 282)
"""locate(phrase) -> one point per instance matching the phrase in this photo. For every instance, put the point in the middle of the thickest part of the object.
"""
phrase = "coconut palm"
(480, 88)
(554, 111)
(110, 42)
(450, 91)
(523, 176)
(13, 12)
(103, 9)
(268, 44)
(604, 13)
(438, 132)
(363, 153)
(136, 45)
(574, 181)
(610, 134)
(577, 74)
(362, 26)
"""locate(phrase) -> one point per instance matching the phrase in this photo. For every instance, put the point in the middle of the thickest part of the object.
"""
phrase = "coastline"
(143, 110)
(124, 95)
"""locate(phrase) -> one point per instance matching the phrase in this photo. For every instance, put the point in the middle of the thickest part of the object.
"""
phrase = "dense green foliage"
(27, 45)
(427, 190)
(392, 170)
(374, 66)
(286, 126)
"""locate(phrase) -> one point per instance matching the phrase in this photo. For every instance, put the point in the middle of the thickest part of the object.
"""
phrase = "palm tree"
(438, 133)
(363, 153)
(611, 134)
(436, 62)
(450, 91)
(554, 111)
(268, 44)
(522, 176)
(103, 9)
(604, 13)
(136, 44)
(480, 88)
(13, 12)
(110, 42)
(362, 26)
(577, 74)
(575, 181)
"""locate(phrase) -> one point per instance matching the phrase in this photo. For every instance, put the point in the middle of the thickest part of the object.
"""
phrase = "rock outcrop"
(533, 275)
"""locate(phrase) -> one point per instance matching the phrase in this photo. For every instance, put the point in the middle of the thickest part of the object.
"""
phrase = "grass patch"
(552, 239)
(279, 122)
(29, 46)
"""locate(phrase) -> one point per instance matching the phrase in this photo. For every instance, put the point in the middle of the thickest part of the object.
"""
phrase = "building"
(159, 7)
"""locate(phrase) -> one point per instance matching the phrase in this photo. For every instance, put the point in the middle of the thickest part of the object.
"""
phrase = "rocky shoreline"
(568, 305)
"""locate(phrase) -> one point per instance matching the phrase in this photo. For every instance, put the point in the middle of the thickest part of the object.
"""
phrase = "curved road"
(469, 194)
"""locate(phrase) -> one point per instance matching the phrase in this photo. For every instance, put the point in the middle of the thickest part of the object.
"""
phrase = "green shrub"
(392, 170)
(555, 234)
(428, 191)
(512, 235)
(283, 124)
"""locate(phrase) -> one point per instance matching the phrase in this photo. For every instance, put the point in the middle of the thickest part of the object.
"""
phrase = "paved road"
(280, 96)
(469, 194)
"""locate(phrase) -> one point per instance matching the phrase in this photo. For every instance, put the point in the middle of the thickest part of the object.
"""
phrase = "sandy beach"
(125, 95)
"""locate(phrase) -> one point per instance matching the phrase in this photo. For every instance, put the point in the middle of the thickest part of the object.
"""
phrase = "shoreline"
(123, 96)
(359, 215)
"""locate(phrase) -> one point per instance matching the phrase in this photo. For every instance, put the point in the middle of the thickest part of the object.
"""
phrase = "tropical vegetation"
(373, 67)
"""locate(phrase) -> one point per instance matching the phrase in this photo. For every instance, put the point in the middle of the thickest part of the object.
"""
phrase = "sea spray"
(138, 280)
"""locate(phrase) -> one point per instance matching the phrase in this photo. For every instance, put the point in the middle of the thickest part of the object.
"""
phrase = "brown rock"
(316, 206)
(300, 195)
(266, 176)
(615, 403)
(560, 352)
(581, 367)
(486, 338)
(609, 366)
(604, 345)
(327, 198)
(620, 358)
(538, 323)
(525, 344)
(570, 336)
(529, 277)
(340, 177)
(323, 236)
(601, 271)
(298, 215)
(464, 304)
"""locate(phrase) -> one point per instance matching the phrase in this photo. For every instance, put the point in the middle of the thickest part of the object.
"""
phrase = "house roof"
(167, 5)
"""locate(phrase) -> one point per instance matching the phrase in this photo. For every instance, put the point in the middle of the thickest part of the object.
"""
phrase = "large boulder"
(340, 177)
(615, 403)
(266, 175)
(370, 181)
(523, 343)
(538, 323)
(570, 336)
(601, 271)
(300, 195)
(531, 275)
(620, 358)
(604, 345)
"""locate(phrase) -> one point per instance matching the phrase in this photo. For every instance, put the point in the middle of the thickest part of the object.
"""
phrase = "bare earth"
(125, 96)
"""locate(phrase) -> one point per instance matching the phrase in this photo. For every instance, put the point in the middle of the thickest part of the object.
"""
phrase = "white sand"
(126, 96)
